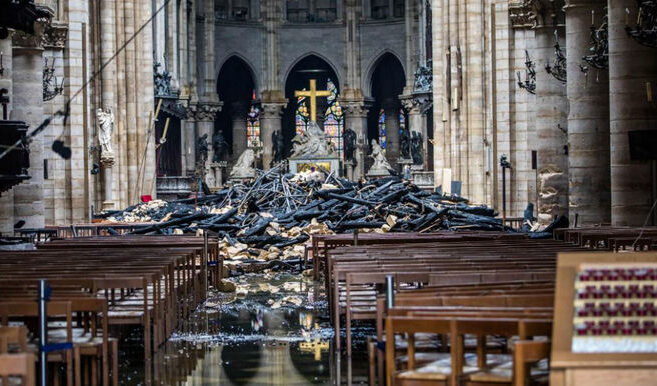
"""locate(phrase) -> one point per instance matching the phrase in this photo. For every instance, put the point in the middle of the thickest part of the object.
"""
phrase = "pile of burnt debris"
(277, 210)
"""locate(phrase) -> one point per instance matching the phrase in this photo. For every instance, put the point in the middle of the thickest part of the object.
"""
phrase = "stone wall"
(64, 192)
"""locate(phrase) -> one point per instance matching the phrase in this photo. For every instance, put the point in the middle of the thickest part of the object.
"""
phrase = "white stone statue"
(380, 167)
(243, 168)
(312, 143)
(105, 129)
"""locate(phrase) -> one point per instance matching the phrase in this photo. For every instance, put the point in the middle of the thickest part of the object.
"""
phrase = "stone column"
(6, 198)
(588, 120)
(270, 121)
(414, 104)
(272, 98)
(391, 108)
(632, 81)
(205, 115)
(355, 118)
(27, 104)
(410, 18)
(551, 121)
(239, 112)
(189, 133)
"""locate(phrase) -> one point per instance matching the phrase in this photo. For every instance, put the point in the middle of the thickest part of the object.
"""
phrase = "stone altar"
(313, 149)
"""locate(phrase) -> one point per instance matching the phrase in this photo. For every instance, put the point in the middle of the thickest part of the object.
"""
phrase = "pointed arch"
(247, 64)
(382, 55)
(310, 54)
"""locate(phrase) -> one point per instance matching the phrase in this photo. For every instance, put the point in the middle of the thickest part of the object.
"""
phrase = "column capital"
(416, 102)
(272, 109)
(55, 35)
(356, 108)
(203, 112)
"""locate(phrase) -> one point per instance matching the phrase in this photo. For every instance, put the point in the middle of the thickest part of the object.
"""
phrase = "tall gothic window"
(240, 9)
(383, 131)
(221, 9)
(311, 11)
(380, 9)
(302, 116)
(402, 120)
(334, 118)
(398, 8)
(253, 125)
(231, 9)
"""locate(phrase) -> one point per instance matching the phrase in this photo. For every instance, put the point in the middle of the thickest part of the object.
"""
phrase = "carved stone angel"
(105, 120)
(244, 166)
(380, 167)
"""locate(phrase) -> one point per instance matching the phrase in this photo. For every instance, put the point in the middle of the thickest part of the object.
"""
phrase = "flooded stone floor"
(273, 331)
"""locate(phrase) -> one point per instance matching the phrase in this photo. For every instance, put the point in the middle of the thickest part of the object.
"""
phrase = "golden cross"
(313, 94)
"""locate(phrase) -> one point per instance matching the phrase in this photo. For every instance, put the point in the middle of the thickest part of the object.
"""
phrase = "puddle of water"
(250, 340)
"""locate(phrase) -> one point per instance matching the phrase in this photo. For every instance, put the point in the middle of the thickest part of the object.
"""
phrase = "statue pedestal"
(243, 175)
(331, 164)
(350, 169)
(404, 164)
(376, 173)
(108, 203)
(217, 168)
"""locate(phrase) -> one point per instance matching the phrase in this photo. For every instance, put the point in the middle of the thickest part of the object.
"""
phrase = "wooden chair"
(18, 365)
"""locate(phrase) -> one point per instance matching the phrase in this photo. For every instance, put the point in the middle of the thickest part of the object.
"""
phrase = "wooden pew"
(452, 370)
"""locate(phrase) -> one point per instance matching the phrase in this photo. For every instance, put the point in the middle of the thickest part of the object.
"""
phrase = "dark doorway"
(168, 154)
(310, 67)
(236, 88)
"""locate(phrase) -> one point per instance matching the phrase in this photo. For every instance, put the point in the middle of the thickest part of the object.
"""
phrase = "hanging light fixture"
(51, 88)
(558, 67)
(645, 30)
(529, 83)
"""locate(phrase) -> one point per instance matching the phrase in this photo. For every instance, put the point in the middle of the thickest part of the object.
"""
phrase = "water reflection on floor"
(276, 332)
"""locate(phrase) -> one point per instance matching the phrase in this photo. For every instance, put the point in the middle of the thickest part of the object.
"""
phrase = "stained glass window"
(383, 132)
(334, 118)
(302, 117)
(253, 127)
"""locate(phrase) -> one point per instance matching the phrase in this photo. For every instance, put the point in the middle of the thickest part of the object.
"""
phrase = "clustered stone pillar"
(551, 127)
(273, 100)
(588, 119)
(190, 146)
(391, 109)
(28, 106)
(355, 118)
(270, 122)
(205, 114)
(6, 198)
(417, 121)
(239, 111)
(632, 81)
(352, 98)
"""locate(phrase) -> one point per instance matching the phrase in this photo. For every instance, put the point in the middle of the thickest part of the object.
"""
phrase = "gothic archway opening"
(238, 121)
(386, 115)
(296, 115)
